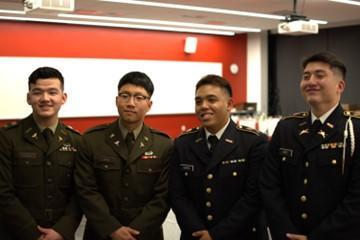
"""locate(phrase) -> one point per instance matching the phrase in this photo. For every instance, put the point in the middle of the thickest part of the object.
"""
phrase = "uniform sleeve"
(248, 206)
(276, 210)
(185, 211)
(90, 199)
(155, 211)
(19, 221)
(344, 221)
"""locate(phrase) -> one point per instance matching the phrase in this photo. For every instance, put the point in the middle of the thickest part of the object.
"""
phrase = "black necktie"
(213, 140)
(48, 135)
(130, 140)
(316, 126)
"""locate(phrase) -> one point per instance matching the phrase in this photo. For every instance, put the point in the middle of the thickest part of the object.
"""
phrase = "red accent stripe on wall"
(60, 40)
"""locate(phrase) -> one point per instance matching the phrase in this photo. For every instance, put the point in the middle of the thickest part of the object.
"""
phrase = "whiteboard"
(91, 84)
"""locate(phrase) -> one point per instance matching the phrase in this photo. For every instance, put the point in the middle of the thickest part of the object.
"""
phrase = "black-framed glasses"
(138, 98)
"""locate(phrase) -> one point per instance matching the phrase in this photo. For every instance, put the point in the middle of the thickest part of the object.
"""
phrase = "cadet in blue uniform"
(311, 179)
(37, 199)
(214, 183)
(122, 180)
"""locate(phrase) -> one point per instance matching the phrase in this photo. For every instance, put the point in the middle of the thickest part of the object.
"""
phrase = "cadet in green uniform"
(37, 155)
(311, 179)
(214, 171)
(122, 174)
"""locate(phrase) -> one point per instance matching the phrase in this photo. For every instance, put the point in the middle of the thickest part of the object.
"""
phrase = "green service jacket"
(119, 189)
(36, 182)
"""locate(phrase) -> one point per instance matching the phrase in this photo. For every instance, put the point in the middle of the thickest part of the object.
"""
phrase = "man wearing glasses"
(122, 173)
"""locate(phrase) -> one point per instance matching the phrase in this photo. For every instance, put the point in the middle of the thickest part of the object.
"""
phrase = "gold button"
(186, 173)
(210, 176)
(333, 162)
(307, 164)
(305, 181)
(106, 166)
(48, 163)
(303, 198)
(208, 204)
(304, 216)
(234, 174)
(150, 170)
(283, 159)
(208, 190)
(209, 217)
(253, 229)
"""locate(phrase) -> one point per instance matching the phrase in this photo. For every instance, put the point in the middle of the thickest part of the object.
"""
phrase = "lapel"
(142, 143)
(60, 136)
(327, 130)
(32, 133)
(227, 143)
(199, 146)
(115, 139)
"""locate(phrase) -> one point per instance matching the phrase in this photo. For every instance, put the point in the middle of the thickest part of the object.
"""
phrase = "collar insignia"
(229, 140)
(322, 133)
(330, 125)
(198, 140)
(35, 136)
(304, 131)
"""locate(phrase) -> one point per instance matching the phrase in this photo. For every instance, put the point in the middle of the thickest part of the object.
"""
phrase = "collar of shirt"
(219, 133)
(125, 131)
(52, 128)
(324, 116)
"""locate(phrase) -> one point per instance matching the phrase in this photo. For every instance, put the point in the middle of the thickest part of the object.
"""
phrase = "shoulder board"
(247, 129)
(158, 132)
(296, 115)
(190, 130)
(11, 125)
(72, 129)
(97, 128)
(353, 114)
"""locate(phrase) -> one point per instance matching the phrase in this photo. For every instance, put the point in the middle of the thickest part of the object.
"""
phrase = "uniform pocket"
(148, 166)
(27, 169)
(107, 163)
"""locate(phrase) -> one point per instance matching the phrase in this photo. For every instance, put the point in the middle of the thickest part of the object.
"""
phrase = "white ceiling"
(336, 14)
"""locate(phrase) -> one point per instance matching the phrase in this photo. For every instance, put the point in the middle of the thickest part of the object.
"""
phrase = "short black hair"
(44, 73)
(215, 80)
(329, 58)
(138, 79)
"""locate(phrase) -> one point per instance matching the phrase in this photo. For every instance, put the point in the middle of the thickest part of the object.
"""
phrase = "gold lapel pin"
(229, 140)
(322, 133)
(304, 131)
(330, 125)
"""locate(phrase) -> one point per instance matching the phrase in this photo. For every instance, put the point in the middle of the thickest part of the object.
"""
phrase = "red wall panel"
(59, 40)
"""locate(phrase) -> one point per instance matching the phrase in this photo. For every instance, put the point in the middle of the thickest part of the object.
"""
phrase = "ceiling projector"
(297, 25)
